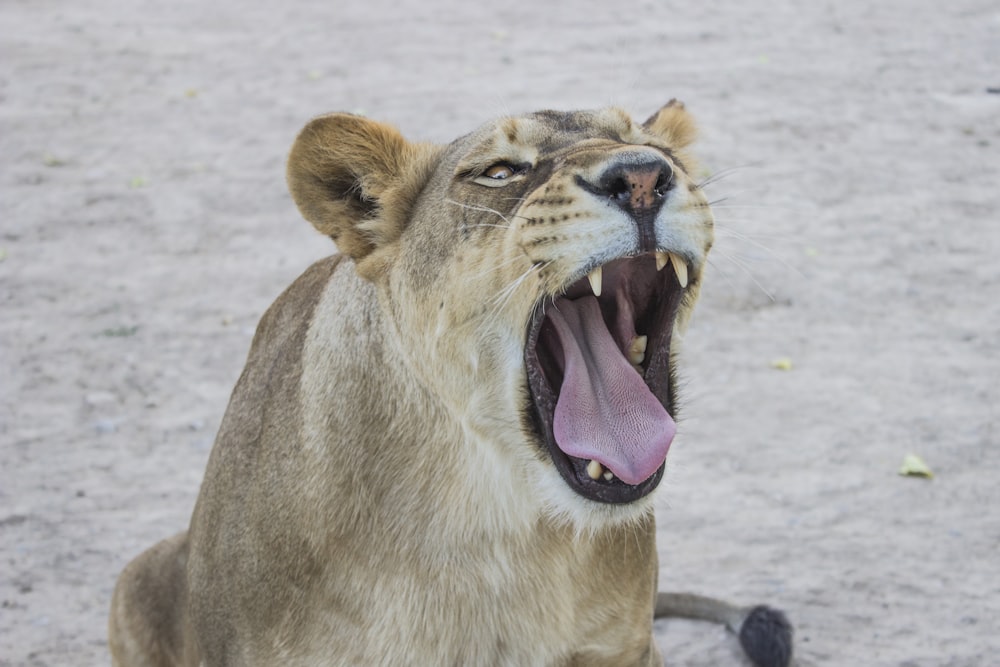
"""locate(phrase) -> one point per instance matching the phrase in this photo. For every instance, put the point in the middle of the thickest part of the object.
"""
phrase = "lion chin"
(445, 433)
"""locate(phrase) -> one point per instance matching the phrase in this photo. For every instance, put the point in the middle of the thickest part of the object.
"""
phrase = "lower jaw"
(565, 506)
(612, 492)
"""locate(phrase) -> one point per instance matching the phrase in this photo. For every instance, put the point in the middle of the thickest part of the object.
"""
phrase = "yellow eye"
(499, 171)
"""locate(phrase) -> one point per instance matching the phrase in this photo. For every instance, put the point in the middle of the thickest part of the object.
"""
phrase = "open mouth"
(598, 366)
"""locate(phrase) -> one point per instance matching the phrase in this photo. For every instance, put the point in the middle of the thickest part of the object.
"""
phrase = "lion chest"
(501, 606)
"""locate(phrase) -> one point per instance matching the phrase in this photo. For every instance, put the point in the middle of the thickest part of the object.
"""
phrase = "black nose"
(638, 184)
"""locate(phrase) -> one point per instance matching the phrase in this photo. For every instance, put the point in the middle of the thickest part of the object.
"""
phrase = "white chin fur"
(562, 505)
(523, 487)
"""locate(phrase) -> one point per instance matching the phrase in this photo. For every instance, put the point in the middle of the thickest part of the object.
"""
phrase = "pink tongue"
(605, 411)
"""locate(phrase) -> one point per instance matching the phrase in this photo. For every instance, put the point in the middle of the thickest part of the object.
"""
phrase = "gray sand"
(145, 226)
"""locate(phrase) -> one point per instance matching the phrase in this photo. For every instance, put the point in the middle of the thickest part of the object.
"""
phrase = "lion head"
(534, 275)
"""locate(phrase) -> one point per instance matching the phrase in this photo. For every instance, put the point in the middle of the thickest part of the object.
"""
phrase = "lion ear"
(356, 180)
(674, 124)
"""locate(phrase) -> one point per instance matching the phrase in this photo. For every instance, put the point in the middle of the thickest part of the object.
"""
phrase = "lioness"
(444, 443)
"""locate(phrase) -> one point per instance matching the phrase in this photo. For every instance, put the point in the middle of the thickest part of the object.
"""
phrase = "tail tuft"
(766, 637)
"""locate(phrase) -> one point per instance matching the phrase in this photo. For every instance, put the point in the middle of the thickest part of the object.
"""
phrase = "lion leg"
(765, 633)
(149, 624)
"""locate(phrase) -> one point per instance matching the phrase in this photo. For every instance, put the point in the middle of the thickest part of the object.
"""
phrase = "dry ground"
(144, 227)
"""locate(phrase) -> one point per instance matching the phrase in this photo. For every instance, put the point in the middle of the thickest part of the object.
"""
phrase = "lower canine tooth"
(594, 470)
(596, 278)
(680, 268)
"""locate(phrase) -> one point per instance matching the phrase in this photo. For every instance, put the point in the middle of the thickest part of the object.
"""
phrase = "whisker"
(730, 195)
(742, 266)
(757, 241)
(497, 266)
(771, 207)
(766, 249)
(725, 173)
(513, 217)
(484, 209)
(503, 297)
(519, 200)
(727, 226)
(723, 272)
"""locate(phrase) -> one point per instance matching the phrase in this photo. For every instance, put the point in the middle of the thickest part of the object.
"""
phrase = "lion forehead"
(533, 135)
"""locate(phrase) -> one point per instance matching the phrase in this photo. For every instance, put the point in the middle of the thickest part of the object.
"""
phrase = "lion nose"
(636, 183)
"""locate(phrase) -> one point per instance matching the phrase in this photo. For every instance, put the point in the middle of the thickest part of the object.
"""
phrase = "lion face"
(535, 273)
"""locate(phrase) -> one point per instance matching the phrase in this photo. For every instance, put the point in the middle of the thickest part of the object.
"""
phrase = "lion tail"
(765, 633)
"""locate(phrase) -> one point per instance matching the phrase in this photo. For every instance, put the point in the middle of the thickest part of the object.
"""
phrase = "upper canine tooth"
(637, 349)
(596, 277)
(661, 260)
(594, 469)
(680, 268)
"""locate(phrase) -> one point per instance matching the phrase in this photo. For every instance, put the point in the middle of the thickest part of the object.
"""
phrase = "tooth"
(637, 350)
(661, 260)
(608, 475)
(595, 278)
(594, 470)
(680, 268)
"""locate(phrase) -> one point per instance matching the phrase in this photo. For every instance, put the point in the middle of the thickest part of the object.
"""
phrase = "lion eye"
(499, 171)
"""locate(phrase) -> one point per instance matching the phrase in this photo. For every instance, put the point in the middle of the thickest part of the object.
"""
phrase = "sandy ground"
(145, 226)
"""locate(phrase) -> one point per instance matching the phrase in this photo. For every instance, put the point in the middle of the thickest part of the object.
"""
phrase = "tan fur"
(375, 494)
(674, 124)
